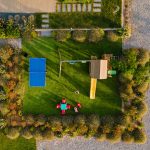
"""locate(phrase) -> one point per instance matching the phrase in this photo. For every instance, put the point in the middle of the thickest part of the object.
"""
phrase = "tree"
(112, 36)
(93, 122)
(79, 35)
(143, 57)
(48, 134)
(55, 123)
(96, 35)
(26, 133)
(12, 133)
(139, 136)
(61, 35)
(107, 123)
(127, 137)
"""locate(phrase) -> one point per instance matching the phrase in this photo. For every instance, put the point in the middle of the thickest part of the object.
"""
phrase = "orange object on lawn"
(63, 112)
(58, 106)
(79, 105)
(68, 106)
(63, 100)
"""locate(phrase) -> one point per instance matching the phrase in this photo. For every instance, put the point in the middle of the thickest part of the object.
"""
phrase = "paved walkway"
(140, 19)
(27, 6)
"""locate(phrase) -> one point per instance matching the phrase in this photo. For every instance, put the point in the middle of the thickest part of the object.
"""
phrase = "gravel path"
(140, 19)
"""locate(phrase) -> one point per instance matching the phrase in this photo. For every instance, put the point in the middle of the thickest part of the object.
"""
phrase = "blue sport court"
(37, 72)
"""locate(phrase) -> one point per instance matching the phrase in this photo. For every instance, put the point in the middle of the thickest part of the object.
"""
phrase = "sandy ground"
(28, 6)
(13, 42)
(140, 19)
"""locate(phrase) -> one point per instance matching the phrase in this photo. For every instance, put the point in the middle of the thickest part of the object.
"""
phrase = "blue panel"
(37, 65)
(37, 78)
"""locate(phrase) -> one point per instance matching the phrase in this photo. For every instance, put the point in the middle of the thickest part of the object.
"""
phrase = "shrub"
(96, 35)
(55, 123)
(141, 108)
(107, 123)
(67, 122)
(121, 120)
(38, 134)
(26, 133)
(143, 87)
(80, 120)
(29, 119)
(143, 57)
(93, 122)
(125, 77)
(139, 136)
(79, 35)
(3, 123)
(127, 137)
(11, 84)
(48, 134)
(100, 136)
(4, 108)
(113, 137)
(112, 36)
(12, 133)
(40, 120)
(61, 35)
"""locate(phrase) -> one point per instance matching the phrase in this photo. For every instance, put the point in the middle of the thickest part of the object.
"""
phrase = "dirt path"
(27, 6)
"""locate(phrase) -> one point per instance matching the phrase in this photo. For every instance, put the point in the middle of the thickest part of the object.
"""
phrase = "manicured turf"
(74, 77)
(17, 144)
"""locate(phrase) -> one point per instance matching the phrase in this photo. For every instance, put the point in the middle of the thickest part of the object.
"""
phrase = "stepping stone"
(64, 8)
(84, 7)
(96, 5)
(79, 7)
(74, 9)
(58, 7)
(97, 1)
(69, 7)
(96, 10)
(89, 7)
(45, 21)
(45, 26)
(45, 15)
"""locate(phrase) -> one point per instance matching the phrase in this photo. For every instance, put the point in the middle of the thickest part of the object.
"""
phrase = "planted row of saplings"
(92, 36)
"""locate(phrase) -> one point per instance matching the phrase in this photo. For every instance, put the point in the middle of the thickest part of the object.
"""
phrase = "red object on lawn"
(68, 106)
(58, 106)
(79, 105)
(63, 112)
(63, 100)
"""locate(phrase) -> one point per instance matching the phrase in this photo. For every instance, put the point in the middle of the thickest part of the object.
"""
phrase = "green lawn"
(74, 77)
(17, 144)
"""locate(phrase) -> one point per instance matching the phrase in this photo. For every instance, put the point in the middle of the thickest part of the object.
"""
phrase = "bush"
(107, 123)
(79, 35)
(12, 133)
(141, 108)
(80, 120)
(125, 77)
(143, 87)
(139, 136)
(40, 120)
(38, 134)
(112, 36)
(4, 108)
(48, 134)
(127, 137)
(113, 137)
(29, 119)
(96, 35)
(121, 120)
(61, 35)
(26, 133)
(55, 123)
(143, 57)
(68, 122)
(93, 122)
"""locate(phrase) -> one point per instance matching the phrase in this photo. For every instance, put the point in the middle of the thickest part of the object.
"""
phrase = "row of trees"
(94, 35)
